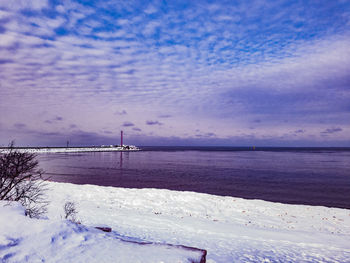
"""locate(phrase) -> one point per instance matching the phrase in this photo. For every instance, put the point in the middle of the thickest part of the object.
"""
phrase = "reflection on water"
(121, 160)
(124, 157)
(317, 178)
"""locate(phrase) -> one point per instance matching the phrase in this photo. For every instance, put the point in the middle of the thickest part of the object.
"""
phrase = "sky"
(228, 73)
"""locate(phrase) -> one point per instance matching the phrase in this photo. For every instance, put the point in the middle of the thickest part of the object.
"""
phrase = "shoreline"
(248, 198)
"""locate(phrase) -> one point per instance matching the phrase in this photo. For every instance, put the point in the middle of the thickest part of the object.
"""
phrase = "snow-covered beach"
(230, 229)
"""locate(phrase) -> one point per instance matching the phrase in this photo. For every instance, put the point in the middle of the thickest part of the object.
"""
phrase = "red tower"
(121, 138)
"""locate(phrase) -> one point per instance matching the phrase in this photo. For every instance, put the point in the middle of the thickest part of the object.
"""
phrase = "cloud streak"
(128, 124)
(153, 123)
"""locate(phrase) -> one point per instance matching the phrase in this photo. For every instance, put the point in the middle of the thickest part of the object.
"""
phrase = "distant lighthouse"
(121, 138)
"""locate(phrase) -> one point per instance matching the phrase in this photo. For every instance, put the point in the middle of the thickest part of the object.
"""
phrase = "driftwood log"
(202, 253)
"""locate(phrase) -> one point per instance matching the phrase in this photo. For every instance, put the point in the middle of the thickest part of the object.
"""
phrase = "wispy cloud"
(17, 5)
(123, 112)
(128, 124)
(54, 120)
(153, 123)
(19, 125)
(206, 135)
(331, 130)
(165, 116)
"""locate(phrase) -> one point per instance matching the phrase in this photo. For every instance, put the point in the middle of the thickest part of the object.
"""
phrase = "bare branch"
(70, 211)
(21, 180)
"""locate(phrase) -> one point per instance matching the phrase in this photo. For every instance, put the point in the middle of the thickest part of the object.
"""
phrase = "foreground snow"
(230, 229)
(29, 240)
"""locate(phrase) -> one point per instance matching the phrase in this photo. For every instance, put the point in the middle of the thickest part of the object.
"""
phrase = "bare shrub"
(70, 211)
(21, 180)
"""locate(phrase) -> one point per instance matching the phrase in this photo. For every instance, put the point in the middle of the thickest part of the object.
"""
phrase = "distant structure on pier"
(121, 138)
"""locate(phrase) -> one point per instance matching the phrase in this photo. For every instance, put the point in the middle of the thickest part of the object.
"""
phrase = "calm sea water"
(296, 176)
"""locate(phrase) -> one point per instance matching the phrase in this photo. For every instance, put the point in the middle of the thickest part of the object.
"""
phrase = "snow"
(230, 229)
(30, 240)
(75, 149)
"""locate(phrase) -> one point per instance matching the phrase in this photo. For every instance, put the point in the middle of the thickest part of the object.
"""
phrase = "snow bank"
(30, 240)
(230, 229)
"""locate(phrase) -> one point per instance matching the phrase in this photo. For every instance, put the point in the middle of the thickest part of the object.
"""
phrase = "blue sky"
(175, 73)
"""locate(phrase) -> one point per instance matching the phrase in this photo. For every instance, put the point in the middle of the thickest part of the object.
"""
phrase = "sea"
(310, 176)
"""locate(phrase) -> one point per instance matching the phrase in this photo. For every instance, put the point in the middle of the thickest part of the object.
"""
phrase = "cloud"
(15, 5)
(123, 112)
(59, 138)
(19, 125)
(206, 135)
(153, 123)
(210, 65)
(54, 120)
(136, 129)
(83, 137)
(128, 124)
(6, 61)
(331, 130)
(150, 10)
(165, 116)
